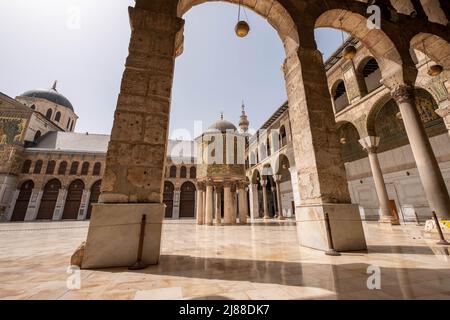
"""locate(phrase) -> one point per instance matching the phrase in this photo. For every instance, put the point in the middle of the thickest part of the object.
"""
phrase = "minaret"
(244, 123)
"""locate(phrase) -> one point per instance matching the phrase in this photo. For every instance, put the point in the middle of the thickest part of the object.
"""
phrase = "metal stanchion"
(331, 251)
(139, 265)
(441, 234)
(417, 218)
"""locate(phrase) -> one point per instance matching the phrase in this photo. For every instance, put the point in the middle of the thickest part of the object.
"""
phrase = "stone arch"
(369, 75)
(390, 128)
(23, 200)
(48, 200)
(73, 200)
(436, 48)
(349, 139)
(272, 10)
(381, 46)
(256, 177)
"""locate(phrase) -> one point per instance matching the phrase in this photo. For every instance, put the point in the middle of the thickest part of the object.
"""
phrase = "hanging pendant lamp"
(242, 28)
(349, 52)
(435, 69)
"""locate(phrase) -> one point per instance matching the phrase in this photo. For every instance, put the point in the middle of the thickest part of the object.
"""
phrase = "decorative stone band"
(403, 93)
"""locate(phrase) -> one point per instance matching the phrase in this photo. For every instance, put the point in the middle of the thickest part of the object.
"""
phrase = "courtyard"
(252, 262)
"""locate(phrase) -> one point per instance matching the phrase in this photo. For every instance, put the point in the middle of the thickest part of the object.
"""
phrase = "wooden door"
(95, 194)
(187, 200)
(168, 198)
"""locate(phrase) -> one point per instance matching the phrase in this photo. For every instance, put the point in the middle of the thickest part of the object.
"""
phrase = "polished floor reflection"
(258, 261)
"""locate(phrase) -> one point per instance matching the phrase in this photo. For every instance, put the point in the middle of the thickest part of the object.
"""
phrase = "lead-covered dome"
(51, 95)
(222, 126)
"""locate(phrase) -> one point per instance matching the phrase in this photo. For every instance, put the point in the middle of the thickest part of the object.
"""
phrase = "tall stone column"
(60, 204)
(427, 165)
(10, 210)
(209, 205)
(370, 144)
(322, 179)
(134, 172)
(242, 204)
(228, 204)
(275, 200)
(265, 199)
(279, 201)
(84, 204)
(200, 207)
(218, 204)
(176, 203)
(254, 201)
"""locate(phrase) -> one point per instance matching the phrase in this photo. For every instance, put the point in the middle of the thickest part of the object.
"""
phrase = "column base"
(114, 233)
(346, 227)
(390, 220)
(281, 218)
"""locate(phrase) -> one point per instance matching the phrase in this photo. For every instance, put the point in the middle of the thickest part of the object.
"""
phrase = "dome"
(51, 95)
(222, 126)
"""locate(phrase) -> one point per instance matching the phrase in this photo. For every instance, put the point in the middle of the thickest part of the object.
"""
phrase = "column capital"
(403, 93)
(370, 143)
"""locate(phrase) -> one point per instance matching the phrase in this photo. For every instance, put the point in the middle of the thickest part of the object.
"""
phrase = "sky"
(83, 44)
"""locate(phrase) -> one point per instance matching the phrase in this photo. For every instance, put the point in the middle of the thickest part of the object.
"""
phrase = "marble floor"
(258, 261)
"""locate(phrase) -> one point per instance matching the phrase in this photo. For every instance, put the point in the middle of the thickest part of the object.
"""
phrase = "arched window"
(97, 169)
(68, 124)
(85, 169)
(340, 96)
(62, 168)
(37, 135)
(38, 167)
(58, 116)
(74, 168)
(49, 113)
(26, 166)
(183, 172)
(193, 173)
(269, 151)
(372, 75)
(33, 107)
(173, 172)
(283, 136)
(71, 126)
(50, 167)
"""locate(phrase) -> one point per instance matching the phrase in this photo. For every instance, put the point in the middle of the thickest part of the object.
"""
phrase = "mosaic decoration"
(11, 130)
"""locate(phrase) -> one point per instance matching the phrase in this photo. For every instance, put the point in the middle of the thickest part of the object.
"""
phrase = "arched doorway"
(48, 201)
(168, 198)
(73, 200)
(187, 200)
(95, 194)
(20, 209)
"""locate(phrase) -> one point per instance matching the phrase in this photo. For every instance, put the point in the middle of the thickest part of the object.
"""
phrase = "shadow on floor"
(424, 250)
(340, 281)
